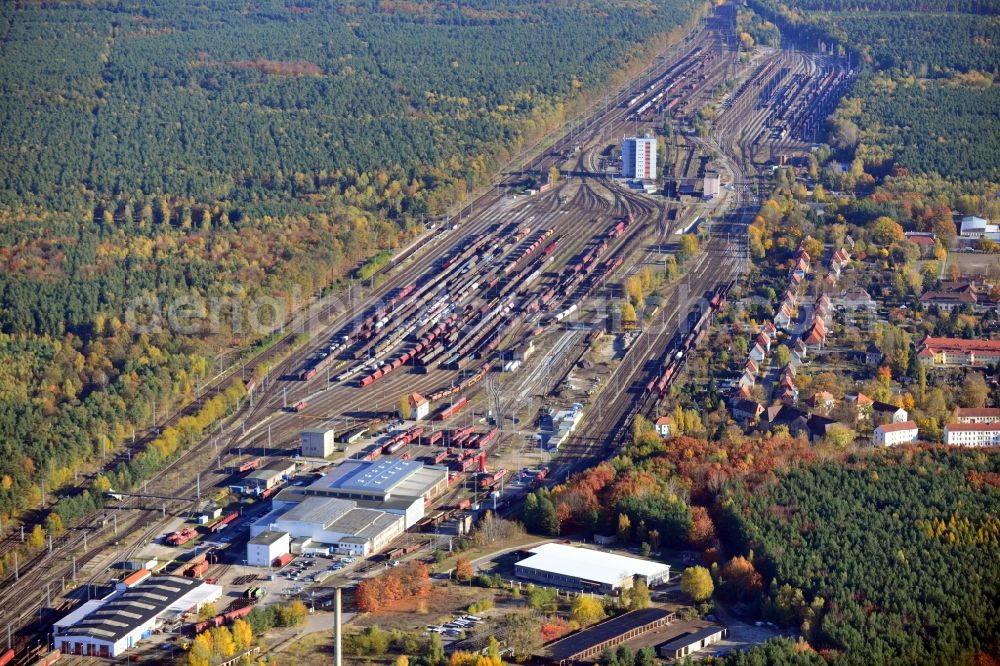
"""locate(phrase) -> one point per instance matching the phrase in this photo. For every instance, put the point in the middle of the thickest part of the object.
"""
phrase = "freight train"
(672, 361)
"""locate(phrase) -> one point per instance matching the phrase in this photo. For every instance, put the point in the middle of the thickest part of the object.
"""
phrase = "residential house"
(746, 412)
(823, 308)
(816, 336)
(948, 299)
(764, 340)
(883, 412)
(840, 259)
(796, 420)
(861, 404)
(784, 316)
(663, 426)
(818, 426)
(746, 379)
(786, 392)
(923, 240)
(873, 355)
(757, 352)
(823, 401)
(892, 434)
(854, 300)
(801, 268)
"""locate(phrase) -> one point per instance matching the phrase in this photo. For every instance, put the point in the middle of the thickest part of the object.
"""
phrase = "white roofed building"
(588, 569)
(109, 627)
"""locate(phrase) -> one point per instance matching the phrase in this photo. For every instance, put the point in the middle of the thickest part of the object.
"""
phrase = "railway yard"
(507, 314)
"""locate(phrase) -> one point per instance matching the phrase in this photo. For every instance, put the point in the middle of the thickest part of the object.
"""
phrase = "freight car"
(223, 522)
(453, 409)
(248, 466)
(492, 479)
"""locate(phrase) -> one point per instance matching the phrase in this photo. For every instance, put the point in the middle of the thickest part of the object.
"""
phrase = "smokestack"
(337, 619)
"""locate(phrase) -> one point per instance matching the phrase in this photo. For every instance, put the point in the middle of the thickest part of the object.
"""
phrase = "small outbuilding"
(691, 641)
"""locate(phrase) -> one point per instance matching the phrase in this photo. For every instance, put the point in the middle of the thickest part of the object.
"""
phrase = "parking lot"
(306, 570)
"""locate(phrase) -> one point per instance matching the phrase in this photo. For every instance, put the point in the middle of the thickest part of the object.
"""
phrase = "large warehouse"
(587, 569)
(394, 485)
(108, 627)
(328, 524)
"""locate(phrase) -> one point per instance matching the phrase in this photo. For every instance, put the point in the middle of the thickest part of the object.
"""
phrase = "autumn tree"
(637, 596)
(463, 569)
(624, 529)
(974, 391)
(696, 583)
(403, 407)
(36, 539)
(702, 531)
(688, 247)
(201, 650)
(587, 610)
(886, 230)
(741, 579)
(223, 642)
(54, 524)
(207, 611)
(242, 634)
(840, 436)
(629, 317)
(368, 595)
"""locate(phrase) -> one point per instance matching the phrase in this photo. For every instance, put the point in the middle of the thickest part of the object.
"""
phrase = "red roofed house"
(958, 352)
(922, 239)
(816, 335)
(663, 426)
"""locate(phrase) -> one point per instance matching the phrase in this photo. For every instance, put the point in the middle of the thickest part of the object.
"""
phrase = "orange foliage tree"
(404, 582)
(741, 579)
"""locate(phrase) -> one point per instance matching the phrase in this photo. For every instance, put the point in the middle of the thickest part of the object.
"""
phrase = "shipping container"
(282, 560)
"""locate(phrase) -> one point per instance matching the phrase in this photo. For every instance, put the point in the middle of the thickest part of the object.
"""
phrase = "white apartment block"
(893, 434)
(972, 434)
